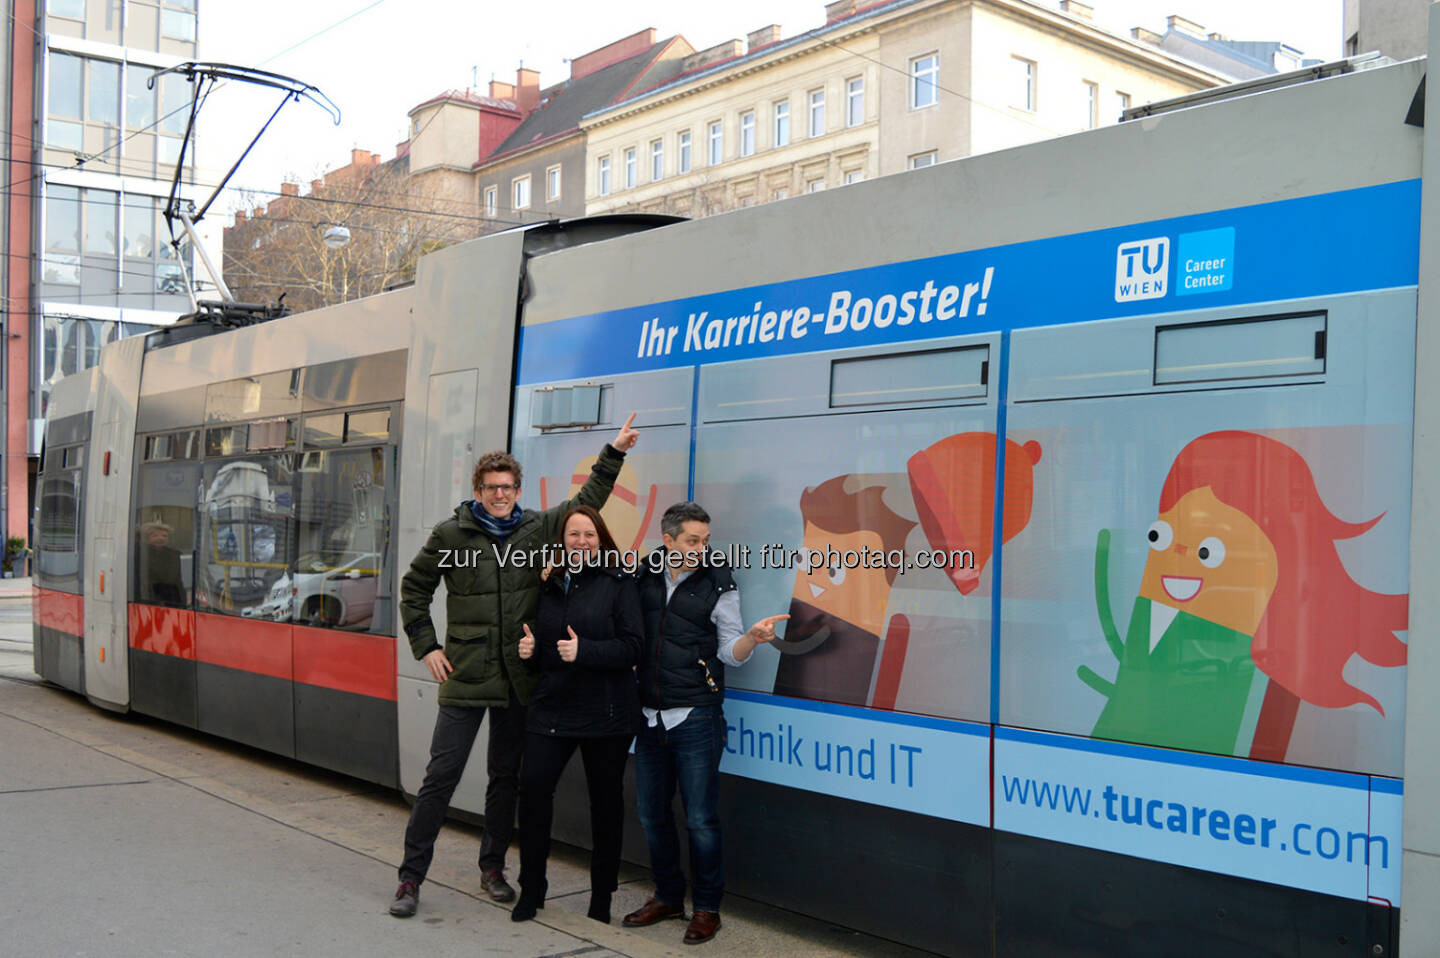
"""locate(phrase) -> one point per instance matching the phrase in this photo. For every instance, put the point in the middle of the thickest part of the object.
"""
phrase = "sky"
(379, 58)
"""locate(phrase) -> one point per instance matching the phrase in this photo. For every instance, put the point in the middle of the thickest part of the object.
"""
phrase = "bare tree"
(393, 220)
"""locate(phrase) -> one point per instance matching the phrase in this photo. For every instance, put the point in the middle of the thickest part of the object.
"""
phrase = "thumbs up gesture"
(527, 643)
(568, 647)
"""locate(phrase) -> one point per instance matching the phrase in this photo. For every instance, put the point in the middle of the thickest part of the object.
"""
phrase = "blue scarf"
(499, 528)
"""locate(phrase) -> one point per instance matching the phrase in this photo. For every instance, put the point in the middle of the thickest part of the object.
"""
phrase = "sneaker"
(407, 897)
(495, 885)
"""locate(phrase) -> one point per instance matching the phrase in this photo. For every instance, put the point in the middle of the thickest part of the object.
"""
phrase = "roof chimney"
(1181, 25)
(763, 37)
(239, 217)
(1080, 11)
(839, 10)
(612, 53)
(289, 189)
(316, 186)
(1145, 36)
(501, 91)
(527, 89)
(704, 58)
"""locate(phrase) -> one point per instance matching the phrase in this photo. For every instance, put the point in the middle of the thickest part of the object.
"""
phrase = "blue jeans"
(687, 755)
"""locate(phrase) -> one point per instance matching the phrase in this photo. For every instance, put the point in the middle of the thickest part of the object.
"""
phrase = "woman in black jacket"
(586, 642)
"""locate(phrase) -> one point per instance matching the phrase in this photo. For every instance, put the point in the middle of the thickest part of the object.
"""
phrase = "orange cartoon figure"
(842, 588)
(1244, 610)
(838, 607)
(623, 512)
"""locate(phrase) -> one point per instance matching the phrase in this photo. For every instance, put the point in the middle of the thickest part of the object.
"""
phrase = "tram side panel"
(60, 534)
(262, 510)
(107, 562)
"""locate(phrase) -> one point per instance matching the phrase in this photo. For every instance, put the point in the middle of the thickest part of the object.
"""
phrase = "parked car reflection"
(326, 589)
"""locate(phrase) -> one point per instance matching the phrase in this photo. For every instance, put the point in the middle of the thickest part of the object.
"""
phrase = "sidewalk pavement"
(128, 836)
(17, 588)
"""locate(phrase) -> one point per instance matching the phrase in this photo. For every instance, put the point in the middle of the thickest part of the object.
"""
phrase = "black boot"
(525, 908)
(600, 907)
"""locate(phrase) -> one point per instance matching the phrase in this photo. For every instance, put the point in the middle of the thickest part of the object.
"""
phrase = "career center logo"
(1142, 269)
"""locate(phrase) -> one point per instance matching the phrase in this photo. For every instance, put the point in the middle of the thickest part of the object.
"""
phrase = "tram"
(1130, 417)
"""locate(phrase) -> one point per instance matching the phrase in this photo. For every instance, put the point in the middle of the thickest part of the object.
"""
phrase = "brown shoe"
(652, 911)
(703, 925)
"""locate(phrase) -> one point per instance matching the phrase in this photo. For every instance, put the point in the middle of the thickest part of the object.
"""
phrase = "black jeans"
(455, 731)
(545, 758)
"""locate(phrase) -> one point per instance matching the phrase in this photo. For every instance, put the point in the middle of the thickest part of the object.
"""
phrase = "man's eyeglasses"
(504, 489)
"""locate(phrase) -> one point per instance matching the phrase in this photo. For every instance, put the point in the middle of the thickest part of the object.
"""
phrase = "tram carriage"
(1128, 416)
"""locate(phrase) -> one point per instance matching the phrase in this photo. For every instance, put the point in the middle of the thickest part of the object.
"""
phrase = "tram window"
(173, 445)
(926, 376)
(226, 440)
(59, 542)
(325, 430)
(373, 426)
(1240, 349)
(254, 397)
(165, 532)
(275, 434)
(342, 541)
(246, 532)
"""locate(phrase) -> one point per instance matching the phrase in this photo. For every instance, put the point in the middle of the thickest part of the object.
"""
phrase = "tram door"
(559, 430)
(1217, 563)
(106, 572)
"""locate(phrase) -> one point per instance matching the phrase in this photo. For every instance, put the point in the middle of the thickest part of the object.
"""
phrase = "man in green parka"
(489, 556)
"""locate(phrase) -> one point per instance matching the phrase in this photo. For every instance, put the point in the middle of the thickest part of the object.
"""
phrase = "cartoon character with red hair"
(1245, 608)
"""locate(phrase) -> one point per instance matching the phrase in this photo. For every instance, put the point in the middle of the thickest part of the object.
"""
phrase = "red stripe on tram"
(163, 630)
(60, 611)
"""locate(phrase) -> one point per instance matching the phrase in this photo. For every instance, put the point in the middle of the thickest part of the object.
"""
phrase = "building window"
(62, 235)
(1122, 103)
(717, 143)
(782, 123)
(854, 101)
(65, 98)
(177, 20)
(1092, 105)
(781, 194)
(924, 81)
(139, 99)
(921, 160)
(1024, 96)
(747, 133)
(682, 152)
(520, 193)
(814, 186)
(70, 9)
(602, 176)
(631, 167)
(103, 104)
(491, 199)
(657, 160)
(102, 222)
(853, 176)
(552, 182)
(817, 112)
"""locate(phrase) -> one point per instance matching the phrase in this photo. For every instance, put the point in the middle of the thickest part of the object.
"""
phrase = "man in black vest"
(693, 630)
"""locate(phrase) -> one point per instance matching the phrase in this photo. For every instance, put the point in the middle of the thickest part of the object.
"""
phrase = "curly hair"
(497, 461)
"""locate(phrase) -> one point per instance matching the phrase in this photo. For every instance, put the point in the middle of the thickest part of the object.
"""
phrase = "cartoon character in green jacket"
(1244, 609)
